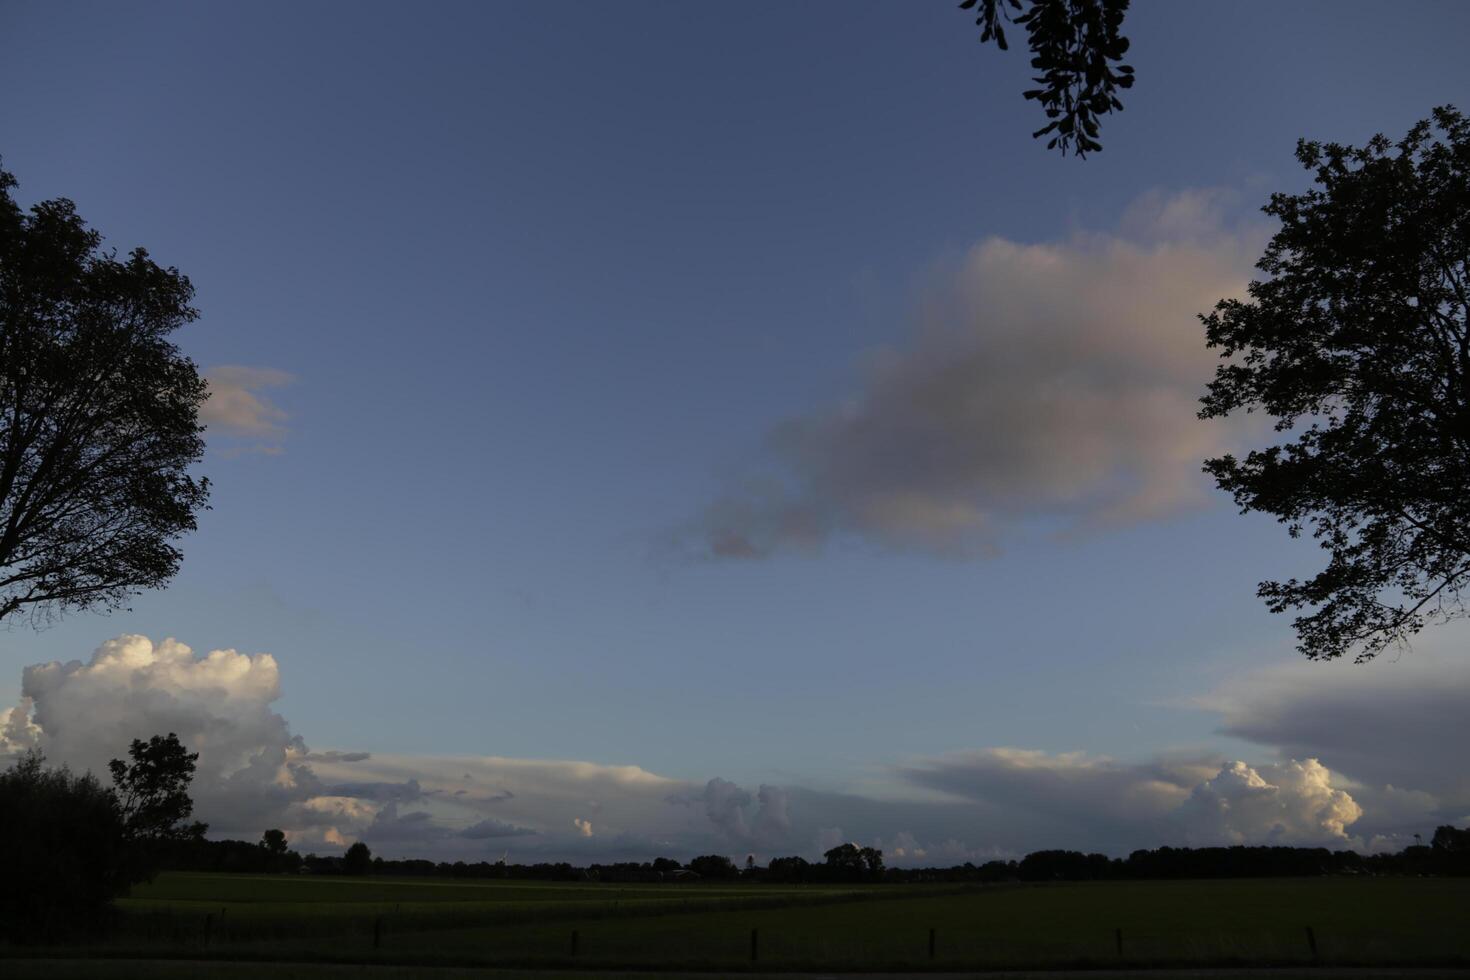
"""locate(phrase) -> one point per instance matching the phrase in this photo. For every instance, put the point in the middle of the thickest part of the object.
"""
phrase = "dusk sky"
(674, 427)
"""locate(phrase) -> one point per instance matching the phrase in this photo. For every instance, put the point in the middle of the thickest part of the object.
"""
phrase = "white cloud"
(1395, 727)
(1095, 803)
(18, 733)
(1049, 384)
(132, 688)
(236, 407)
(1296, 805)
(251, 774)
(255, 773)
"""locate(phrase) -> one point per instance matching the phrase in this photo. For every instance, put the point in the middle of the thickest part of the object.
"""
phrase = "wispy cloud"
(237, 408)
(1049, 384)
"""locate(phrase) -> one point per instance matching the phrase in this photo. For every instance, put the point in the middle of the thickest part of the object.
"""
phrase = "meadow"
(321, 920)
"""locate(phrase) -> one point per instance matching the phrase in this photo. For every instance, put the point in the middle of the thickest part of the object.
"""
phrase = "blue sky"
(546, 278)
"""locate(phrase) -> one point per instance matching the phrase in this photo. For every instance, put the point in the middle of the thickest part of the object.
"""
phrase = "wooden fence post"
(1118, 941)
(208, 927)
(754, 945)
(1312, 941)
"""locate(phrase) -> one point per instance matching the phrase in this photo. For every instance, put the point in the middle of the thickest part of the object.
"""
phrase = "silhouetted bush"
(64, 853)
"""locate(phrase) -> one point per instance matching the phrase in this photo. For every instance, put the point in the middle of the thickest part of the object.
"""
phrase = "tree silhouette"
(99, 415)
(788, 869)
(153, 790)
(1074, 44)
(1450, 838)
(358, 860)
(1358, 345)
(713, 866)
(850, 862)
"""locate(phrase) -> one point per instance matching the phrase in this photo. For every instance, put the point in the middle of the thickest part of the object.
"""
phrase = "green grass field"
(1354, 921)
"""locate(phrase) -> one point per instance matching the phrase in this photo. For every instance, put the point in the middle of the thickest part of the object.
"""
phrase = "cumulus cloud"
(1395, 727)
(88, 713)
(729, 809)
(555, 810)
(1102, 804)
(18, 733)
(1046, 385)
(254, 773)
(237, 408)
(1298, 805)
(724, 804)
(772, 822)
(251, 774)
(905, 846)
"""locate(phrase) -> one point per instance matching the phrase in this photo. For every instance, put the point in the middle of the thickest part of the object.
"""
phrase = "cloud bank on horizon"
(1045, 385)
(254, 773)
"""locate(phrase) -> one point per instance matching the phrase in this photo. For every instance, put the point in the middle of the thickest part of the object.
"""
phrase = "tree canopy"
(99, 415)
(153, 790)
(358, 860)
(1357, 344)
(715, 866)
(1074, 46)
(853, 862)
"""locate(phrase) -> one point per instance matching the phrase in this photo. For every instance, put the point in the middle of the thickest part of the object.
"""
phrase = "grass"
(1354, 921)
(1370, 921)
(190, 909)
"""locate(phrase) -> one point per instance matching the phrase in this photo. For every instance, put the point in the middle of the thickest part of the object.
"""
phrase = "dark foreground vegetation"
(69, 846)
(1447, 853)
(1322, 921)
(72, 847)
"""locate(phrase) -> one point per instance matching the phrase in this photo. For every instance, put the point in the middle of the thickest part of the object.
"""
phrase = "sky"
(718, 428)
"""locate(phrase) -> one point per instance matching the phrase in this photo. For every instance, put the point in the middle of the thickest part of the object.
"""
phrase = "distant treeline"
(1448, 853)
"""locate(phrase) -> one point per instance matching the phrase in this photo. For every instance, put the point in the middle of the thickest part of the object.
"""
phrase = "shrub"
(63, 848)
